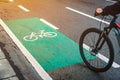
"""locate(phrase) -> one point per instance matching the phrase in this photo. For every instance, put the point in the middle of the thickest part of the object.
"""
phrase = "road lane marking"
(11, 0)
(115, 65)
(111, 1)
(48, 23)
(71, 9)
(23, 8)
(42, 73)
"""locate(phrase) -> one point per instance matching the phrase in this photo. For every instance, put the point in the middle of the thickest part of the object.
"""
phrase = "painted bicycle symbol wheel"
(30, 38)
(33, 36)
(50, 34)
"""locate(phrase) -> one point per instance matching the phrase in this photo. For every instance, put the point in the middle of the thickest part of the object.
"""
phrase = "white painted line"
(111, 1)
(115, 65)
(71, 9)
(11, 0)
(42, 73)
(23, 8)
(51, 25)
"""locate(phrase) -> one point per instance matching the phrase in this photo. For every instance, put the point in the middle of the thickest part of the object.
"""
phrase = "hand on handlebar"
(98, 11)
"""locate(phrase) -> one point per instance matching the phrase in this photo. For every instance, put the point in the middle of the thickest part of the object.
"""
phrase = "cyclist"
(98, 44)
(113, 10)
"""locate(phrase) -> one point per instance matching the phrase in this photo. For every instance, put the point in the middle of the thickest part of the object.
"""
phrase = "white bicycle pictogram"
(41, 34)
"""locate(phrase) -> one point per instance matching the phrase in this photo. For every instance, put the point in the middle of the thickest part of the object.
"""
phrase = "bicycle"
(41, 34)
(98, 56)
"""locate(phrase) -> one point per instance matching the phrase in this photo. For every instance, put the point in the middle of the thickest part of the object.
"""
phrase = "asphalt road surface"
(72, 17)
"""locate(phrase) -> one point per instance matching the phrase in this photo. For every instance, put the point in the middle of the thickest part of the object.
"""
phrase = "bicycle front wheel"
(101, 59)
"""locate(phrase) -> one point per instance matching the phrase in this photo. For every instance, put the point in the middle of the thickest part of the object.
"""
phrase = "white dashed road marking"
(51, 25)
(23, 8)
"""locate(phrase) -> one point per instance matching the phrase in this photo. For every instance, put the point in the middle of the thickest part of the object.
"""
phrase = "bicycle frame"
(104, 32)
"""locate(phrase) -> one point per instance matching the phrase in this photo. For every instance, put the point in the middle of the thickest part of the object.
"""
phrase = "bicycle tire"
(83, 53)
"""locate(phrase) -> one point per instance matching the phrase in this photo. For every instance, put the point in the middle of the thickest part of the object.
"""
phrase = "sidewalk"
(6, 71)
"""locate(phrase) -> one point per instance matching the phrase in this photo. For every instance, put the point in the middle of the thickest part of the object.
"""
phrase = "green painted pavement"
(50, 52)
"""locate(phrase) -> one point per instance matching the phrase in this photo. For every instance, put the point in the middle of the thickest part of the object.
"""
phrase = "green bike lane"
(49, 52)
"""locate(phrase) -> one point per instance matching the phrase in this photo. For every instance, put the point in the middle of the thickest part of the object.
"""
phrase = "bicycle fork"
(101, 39)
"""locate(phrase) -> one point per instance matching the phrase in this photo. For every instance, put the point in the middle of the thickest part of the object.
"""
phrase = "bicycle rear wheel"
(101, 60)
